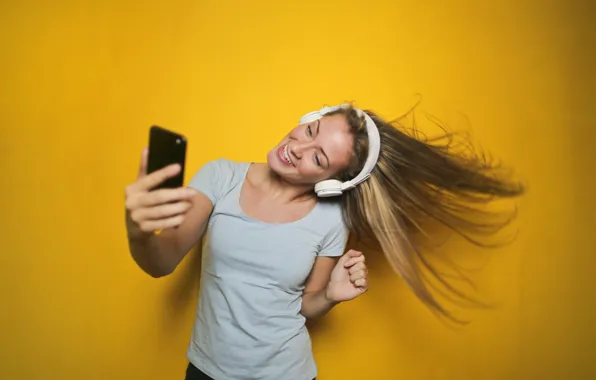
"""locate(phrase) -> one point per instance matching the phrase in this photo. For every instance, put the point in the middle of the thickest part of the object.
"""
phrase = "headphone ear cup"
(328, 188)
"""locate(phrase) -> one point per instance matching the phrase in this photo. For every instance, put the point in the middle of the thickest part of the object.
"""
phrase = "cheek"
(291, 136)
(296, 133)
(305, 168)
(311, 172)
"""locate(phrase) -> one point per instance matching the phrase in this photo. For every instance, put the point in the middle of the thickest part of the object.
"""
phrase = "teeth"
(286, 155)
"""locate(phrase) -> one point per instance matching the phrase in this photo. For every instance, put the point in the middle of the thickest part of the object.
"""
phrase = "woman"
(276, 232)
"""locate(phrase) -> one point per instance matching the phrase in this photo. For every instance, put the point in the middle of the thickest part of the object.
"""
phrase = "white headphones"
(333, 187)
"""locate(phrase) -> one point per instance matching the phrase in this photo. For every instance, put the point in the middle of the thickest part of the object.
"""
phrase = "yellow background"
(81, 82)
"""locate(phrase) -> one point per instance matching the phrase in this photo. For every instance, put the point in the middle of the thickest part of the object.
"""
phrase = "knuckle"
(132, 204)
(134, 216)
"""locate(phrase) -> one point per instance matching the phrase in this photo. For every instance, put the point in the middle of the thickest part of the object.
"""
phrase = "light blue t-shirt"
(248, 324)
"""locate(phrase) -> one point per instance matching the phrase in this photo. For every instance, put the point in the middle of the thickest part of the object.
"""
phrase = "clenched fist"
(349, 278)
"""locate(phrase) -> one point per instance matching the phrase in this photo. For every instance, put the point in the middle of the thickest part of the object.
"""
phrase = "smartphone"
(165, 148)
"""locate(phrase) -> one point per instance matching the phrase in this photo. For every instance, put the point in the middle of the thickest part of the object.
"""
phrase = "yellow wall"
(82, 81)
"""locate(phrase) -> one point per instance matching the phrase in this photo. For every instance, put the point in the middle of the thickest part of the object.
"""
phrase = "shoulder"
(217, 177)
(226, 165)
(331, 211)
(223, 168)
(331, 217)
(333, 228)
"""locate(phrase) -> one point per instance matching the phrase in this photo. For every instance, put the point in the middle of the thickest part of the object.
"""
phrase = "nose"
(298, 148)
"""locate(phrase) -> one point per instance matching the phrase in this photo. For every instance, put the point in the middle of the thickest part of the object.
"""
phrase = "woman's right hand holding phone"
(151, 210)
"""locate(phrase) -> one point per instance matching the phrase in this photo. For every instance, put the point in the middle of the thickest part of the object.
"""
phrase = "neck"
(278, 189)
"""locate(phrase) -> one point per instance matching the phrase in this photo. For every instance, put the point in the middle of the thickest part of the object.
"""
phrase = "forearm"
(316, 304)
(155, 254)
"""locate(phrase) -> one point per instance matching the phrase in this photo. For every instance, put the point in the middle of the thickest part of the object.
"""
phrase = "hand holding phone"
(157, 200)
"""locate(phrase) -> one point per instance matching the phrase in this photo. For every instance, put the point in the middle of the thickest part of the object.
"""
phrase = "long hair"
(417, 182)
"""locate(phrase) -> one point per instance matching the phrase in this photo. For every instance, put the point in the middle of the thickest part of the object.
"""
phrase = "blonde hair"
(417, 181)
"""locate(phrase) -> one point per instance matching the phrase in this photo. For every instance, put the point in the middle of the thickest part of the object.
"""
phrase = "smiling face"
(314, 151)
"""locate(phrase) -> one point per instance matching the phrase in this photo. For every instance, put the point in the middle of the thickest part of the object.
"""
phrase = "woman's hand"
(153, 210)
(349, 278)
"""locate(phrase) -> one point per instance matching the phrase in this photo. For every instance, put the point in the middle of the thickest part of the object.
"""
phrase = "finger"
(354, 260)
(356, 267)
(165, 196)
(358, 275)
(149, 181)
(143, 165)
(362, 284)
(156, 225)
(353, 253)
(159, 197)
(160, 212)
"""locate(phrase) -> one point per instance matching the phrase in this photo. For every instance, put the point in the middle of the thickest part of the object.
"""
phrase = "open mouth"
(284, 155)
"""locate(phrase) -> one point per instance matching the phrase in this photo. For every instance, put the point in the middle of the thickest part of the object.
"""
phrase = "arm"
(315, 302)
(158, 254)
(180, 214)
(333, 281)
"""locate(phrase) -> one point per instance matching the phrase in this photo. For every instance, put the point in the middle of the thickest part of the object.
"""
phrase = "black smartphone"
(165, 148)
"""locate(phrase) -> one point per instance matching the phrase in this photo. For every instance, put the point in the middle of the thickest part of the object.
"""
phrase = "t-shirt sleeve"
(210, 180)
(335, 242)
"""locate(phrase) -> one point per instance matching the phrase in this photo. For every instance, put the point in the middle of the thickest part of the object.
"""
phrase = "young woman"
(275, 233)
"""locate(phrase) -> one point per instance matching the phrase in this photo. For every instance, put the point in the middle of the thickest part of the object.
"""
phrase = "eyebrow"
(322, 151)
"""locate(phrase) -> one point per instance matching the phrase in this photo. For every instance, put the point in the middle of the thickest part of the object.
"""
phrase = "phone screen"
(165, 148)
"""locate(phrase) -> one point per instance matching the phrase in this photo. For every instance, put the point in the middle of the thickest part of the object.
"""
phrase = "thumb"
(143, 165)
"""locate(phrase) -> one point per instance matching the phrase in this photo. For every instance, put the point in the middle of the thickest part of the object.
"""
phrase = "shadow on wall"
(373, 315)
(180, 295)
(390, 311)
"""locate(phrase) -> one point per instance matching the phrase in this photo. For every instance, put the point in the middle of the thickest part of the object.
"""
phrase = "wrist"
(328, 294)
(136, 235)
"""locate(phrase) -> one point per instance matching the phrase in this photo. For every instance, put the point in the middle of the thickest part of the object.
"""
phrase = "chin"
(274, 163)
(278, 167)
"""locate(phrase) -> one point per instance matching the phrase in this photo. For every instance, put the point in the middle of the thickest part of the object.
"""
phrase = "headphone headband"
(333, 187)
